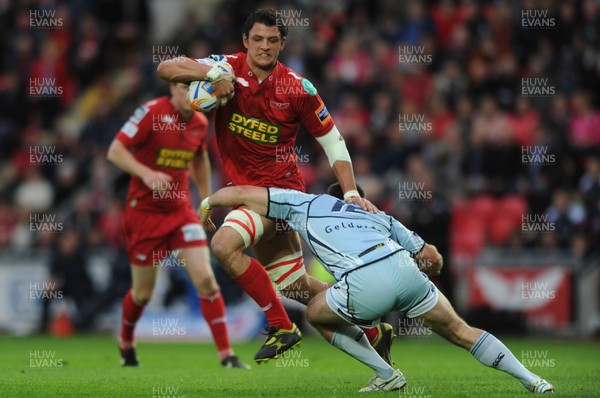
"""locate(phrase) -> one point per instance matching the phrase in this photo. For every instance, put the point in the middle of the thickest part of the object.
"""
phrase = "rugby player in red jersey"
(160, 145)
(254, 128)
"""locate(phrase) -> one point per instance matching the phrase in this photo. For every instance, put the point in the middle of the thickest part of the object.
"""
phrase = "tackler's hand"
(204, 212)
(362, 202)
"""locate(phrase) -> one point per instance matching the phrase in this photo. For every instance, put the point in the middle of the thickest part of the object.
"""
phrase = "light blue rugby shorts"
(365, 295)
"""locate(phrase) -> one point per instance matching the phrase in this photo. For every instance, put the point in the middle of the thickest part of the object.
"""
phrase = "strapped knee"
(247, 223)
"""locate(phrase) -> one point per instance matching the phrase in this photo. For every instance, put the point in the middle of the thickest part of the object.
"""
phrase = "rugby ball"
(201, 95)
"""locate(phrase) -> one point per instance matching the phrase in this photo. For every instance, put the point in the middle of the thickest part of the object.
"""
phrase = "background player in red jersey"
(160, 145)
(260, 121)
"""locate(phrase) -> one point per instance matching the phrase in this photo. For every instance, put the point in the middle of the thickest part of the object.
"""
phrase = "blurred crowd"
(495, 110)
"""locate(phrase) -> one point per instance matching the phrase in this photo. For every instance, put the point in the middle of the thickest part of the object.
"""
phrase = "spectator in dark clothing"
(68, 275)
(118, 285)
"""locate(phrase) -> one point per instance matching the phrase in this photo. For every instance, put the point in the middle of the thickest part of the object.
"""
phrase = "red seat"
(513, 207)
(483, 207)
(501, 228)
(467, 231)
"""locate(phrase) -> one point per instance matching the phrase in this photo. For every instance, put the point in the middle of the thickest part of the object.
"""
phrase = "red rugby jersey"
(163, 140)
(256, 130)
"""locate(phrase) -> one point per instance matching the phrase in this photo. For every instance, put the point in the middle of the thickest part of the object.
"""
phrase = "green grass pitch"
(88, 366)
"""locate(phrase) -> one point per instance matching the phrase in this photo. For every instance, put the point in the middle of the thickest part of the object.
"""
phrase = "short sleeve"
(289, 205)
(137, 128)
(312, 112)
(406, 238)
(211, 59)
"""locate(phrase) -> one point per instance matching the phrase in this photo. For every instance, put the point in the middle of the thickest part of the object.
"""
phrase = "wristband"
(352, 192)
(216, 73)
(204, 206)
(213, 74)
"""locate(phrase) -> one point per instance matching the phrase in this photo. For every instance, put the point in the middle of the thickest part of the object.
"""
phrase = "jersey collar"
(277, 70)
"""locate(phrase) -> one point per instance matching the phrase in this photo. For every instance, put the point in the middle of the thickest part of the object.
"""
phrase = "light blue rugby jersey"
(342, 236)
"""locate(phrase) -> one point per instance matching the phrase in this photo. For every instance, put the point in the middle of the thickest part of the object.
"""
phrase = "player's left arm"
(200, 170)
(430, 260)
(426, 255)
(335, 149)
(313, 114)
(254, 198)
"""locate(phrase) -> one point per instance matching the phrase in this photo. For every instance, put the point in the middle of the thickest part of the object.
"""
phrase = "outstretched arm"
(254, 198)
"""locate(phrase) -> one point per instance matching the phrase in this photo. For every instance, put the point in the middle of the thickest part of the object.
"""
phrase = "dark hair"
(336, 190)
(266, 16)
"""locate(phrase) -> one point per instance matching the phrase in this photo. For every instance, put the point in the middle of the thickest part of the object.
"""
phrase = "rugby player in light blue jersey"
(372, 257)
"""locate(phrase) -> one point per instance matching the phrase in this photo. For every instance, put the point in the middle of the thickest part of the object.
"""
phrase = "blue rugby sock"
(353, 342)
(491, 352)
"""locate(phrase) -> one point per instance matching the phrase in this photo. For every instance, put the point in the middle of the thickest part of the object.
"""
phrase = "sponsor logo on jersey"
(242, 81)
(253, 129)
(130, 129)
(279, 105)
(323, 114)
(211, 59)
(217, 57)
(139, 114)
(173, 158)
(308, 86)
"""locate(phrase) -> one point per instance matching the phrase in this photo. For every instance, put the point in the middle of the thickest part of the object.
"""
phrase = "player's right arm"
(186, 70)
(120, 156)
(182, 70)
(134, 133)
